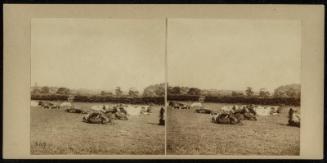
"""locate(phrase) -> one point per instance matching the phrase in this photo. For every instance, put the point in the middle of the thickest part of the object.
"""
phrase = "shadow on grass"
(156, 124)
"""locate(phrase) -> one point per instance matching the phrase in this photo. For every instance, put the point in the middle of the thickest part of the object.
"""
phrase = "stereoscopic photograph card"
(163, 81)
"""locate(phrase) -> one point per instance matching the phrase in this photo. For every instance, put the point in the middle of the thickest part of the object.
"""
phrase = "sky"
(227, 54)
(98, 53)
(233, 54)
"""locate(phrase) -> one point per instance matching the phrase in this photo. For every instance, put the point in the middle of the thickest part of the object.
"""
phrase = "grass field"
(190, 133)
(59, 132)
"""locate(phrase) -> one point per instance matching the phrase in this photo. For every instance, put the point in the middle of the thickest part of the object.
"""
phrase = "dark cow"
(121, 116)
(226, 118)
(48, 105)
(75, 110)
(178, 105)
(97, 118)
(121, 109)
(246, 113)
(162, 116)
(203, 110)
(117, 112)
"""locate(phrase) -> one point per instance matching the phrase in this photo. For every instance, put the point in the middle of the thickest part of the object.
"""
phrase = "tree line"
(285, 91)
(286, 94)
(156, 90)
(97, 98)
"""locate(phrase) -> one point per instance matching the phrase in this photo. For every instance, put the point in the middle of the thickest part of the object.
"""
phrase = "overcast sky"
(233, 54)
(98, 53)
(204, 53)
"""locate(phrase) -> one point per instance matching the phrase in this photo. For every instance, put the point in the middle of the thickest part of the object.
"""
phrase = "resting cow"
(97, 118)
(48, 105)
(120, 115)
(225, 118)
(203, 110)
(75, 110)
(178, 105)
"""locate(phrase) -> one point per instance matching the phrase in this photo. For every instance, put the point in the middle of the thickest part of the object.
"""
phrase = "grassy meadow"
(59, 132)
(190, 133)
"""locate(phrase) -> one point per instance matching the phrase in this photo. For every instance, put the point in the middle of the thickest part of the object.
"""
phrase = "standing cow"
(162, 116)
(294, 118)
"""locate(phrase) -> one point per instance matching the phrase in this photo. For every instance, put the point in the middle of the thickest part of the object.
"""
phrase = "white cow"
(267, 110)
(133, 109)
(262, 110)
(196, 104)
(227, 108)
(34, 103)
(100, 107)
(146, 109)
(65, 105)
(230, 108)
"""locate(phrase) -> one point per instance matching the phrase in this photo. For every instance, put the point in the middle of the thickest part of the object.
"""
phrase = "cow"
(132, 110)
(120, 115)
(196, 104)
(262, 111)
(97, 118)
(34, 103)
(116, 112)
(203, 110)
(178, 105)
(227, 108)
(225, 118)
(294, 118)
(162, 116)
(274, 110)
(214, 116)
(267, 110)
(75, 110)
(122, 109)
(48, 105)
(66, 105)
(246, 113)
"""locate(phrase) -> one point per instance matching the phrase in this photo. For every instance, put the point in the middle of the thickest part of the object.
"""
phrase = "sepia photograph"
(173, 81)
(97, 87)
(234, 87)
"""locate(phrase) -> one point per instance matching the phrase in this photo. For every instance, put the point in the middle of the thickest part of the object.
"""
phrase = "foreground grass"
(190, 133)
(58, 132)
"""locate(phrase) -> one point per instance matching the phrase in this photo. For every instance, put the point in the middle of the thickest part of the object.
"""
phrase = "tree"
(133, 92)
(175, 90)
(105, 93)
(118, 91)
(36, 91)
(160, 91)
(235, 94)
(156, 90)
(63, 91)
(194, 91)
(45, 90)
(264, 93)
(70, 98)
(249, 92)
(290, 91)
(279, 93)
(184, 90)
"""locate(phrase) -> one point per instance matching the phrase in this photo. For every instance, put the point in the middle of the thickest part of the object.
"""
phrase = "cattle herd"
(235, 114)
(102, 114)
(228, 114)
